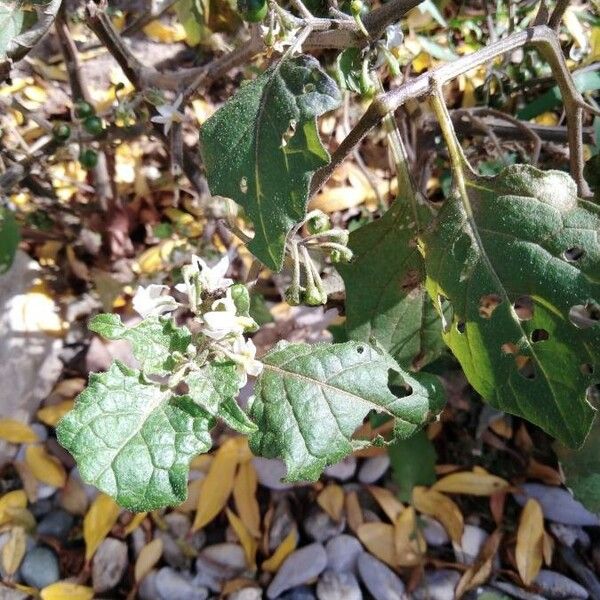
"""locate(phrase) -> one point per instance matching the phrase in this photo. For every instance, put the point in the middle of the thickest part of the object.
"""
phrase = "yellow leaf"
(218, 484)
(135, 523)
(35, 93)
(11, 501)
(390, 505)
(244, 496)
(155, 259)
(575, 28)
(30, 483)
(530, 540)
(249, 544)
(13, 550)
(284, 549)
(169, 34)
(51, 415)
(331, 500)
(409, 541)
(548, 548)
(65, 590)
(549, 119)
(45, 467)
(17, 432)
(353, 511)
(379, 538)
(36, 312)
(479, 572)
(98, 522)
(476, 483)
(440, 507)
(148, 557)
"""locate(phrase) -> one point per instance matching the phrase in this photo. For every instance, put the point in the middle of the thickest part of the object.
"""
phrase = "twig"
(557, 14)
(548, 45)
(80, 90)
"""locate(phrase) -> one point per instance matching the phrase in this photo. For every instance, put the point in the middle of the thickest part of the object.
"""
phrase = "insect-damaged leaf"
(385, 289)
(262, 147)
(134, 440)
(519, 261)
(311, 398)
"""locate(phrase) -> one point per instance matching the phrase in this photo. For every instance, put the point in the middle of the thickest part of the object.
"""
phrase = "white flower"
(243, 353)
(210, 279)
(223, 321)
(150, 301)
(169, 114)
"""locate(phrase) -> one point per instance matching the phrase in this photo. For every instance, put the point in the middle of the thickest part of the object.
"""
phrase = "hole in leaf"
(460, 326)
(539, 335)
(525, 366)
(360, 349)
(584, 316)
(509, 348)
(574, 254)
(586, 368)
(244, 185)
(399, 388)
(488, 304)
(523, 306)
(592, 395)
(289, 134)
(309, 87)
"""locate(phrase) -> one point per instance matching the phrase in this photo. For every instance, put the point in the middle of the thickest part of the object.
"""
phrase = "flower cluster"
(220, 308)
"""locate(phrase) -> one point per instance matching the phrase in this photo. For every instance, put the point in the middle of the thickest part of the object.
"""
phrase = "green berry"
(253, 11)
(61, 132)
(88, 158)
(319, 223)
(93, 125)
(83, 109)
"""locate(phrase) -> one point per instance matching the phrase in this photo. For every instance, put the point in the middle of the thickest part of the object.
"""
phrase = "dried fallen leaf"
(17, 432)
(548, 548)
(63, 590)
(354, 512)
(149, 555)
(191, 502)
(51, 415)
(73, 497)
(218, 484)
(435, 504)
(13, 550)
(530, 540)
(390, 505)
(45, 467)
(476, 483)
(331, 500)
(284, 549)
(9, 502)
(168, 34)
(379, 539)
(98, 522)
(479, 572)
(134, 523)
(409, 542)
(249, 543)
(244, 496)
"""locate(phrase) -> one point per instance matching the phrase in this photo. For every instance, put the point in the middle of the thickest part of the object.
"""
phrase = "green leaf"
(413, 463)
(9, 239)
(214, 388)
(519, 261)
(133, 440)
(310, 399)
(153, 340)
(262, 147)
(12, 19)
(385, 289)
(582, 469)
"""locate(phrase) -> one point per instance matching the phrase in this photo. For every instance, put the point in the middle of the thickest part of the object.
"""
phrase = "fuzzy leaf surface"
(9, 239)
(134, 440)
(153, 340)
(310, 399)
(214, 388)
(386, 297)
(262, 147)
(514, 267)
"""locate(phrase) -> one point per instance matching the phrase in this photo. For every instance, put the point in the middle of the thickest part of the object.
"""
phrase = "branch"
(540, 36)
(557, 14)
